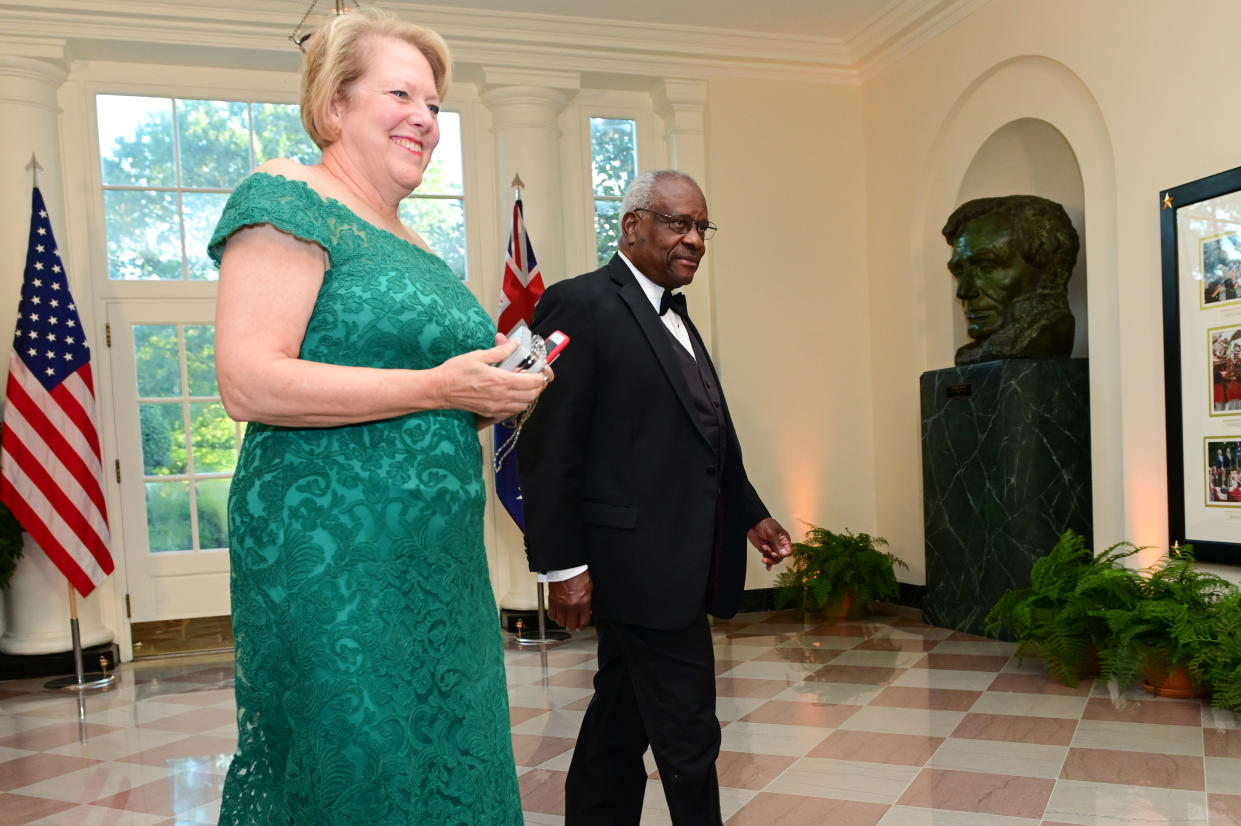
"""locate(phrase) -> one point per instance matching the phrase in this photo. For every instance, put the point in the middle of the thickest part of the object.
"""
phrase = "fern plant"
(1173, 625)
(827, 566)
(1223, 666)
(10, 544)
(1061, 615)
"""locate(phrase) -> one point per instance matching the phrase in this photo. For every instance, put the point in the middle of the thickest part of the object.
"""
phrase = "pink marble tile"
(722, 666)
(895, 644)
(962, 635)
(577, 705)
(19, 808)
(200, 745)
(1225, 809)
(746, 638)
(741, 770)
(963, 662)
(832, 629)
(520, 714)
(1131, 768)
(789, 810)
(788, 617)
(46, 738)
(744, 687)
(553, 659)
(798, 654)
(35, 768)
(542, 791)
(534, 750)
(820, 715)
(196, 721)
(1015, 728)
(856, 674)
(205, 697)
(1222, 742)
(573, 678)
(993, 794)
(874, 747)
(166, 797)
(941, 699)
(1164, 712)
(1039, 684)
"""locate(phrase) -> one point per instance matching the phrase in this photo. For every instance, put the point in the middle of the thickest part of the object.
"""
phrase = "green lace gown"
(370, 673)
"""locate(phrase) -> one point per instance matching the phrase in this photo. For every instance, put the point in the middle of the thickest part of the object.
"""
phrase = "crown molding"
(254, 34)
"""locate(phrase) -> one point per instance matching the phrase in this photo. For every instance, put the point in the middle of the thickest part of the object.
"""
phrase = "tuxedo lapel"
(656, 334)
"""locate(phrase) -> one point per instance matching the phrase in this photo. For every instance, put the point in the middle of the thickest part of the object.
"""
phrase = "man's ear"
(629, 223)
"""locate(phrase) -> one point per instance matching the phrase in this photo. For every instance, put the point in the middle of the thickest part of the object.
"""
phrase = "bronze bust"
(1012, 258)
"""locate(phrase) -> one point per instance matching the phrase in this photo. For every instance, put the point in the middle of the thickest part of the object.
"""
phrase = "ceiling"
(839, 20)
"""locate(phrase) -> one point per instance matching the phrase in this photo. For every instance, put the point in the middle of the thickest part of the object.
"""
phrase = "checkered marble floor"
(884, 721)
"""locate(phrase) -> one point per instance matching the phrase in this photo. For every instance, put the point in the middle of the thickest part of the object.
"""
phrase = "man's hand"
(568, 601)
(772, 540)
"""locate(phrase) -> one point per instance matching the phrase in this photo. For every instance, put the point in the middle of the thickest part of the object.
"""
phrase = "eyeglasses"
(682, 224)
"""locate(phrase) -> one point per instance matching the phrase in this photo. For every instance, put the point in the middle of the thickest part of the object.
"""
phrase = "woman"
(370, 675)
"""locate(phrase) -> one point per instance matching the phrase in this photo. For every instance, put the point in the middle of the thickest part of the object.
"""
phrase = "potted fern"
(1168, 636)
(10, 545)
(1060, 615)
(843, 574)
(1223, 665)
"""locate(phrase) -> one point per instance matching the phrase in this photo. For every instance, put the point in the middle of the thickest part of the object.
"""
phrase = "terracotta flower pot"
(1176, 684)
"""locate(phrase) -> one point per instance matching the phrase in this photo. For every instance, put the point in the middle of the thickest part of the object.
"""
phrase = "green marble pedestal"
(1005, 471)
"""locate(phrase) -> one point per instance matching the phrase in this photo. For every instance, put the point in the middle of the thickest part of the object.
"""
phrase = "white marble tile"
(95, 782)
(541, 819)
(121, 743)
(921, 721)
(655, 806)
(844, 780)
(826, 643)
(559, 723)
(1143, 737)
(1223, 775)
(880, 659)
(12, 754)
(738, 653)
(990, 648)
(944, 678)
(206, 815)
(782, 627)
(849, 694)
(772, 738)
(527, 674)
(734, 708)
(545, 696)
(98, 816)
(1032, 705)
(1110, 804)
(558, 763)
(996, 757)
(731, 800)
(915, 816)
(789, 672)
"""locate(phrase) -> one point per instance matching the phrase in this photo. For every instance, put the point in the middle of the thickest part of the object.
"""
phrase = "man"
(1012, 257)
(637, 502)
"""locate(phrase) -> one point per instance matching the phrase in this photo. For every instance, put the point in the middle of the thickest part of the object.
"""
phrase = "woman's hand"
(471, 382)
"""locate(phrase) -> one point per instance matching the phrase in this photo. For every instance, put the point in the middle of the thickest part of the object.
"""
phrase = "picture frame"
(1200, 240)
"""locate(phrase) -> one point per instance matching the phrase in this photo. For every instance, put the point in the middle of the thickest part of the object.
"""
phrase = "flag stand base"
(80, 681)
(544, 637)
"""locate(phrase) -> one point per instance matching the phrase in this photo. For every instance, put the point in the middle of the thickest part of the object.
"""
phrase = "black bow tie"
(675, 301)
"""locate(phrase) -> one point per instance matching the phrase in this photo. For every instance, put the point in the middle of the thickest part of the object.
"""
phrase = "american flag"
(519, 292)
(51, 476)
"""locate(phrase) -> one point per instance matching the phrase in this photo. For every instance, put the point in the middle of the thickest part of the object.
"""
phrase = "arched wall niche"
(1030, 157)
(1032, 103)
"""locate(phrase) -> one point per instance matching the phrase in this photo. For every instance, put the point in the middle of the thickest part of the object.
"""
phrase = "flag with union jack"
(519, 292)
(51, 474)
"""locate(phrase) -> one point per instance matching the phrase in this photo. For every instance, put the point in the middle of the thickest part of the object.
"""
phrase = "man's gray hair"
(640, 194)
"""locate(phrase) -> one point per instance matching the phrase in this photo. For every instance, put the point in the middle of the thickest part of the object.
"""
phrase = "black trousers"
(658, 688)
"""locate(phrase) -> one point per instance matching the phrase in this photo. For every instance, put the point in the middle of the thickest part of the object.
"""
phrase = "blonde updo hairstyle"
(337, 55)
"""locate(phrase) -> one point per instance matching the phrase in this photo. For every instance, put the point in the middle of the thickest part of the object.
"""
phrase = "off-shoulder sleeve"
(288, 205)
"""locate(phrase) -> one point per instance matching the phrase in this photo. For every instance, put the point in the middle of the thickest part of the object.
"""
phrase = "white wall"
(1141, 91)
(790, 297)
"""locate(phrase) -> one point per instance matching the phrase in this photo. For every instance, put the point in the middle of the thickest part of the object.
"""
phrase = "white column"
(525, 107)
(682, 106)
(36, 606)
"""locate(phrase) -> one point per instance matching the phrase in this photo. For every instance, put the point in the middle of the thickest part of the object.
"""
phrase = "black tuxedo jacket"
(618, 474)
